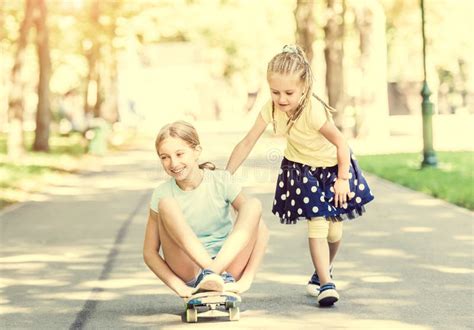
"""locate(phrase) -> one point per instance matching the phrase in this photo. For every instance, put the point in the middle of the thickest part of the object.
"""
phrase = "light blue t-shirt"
(206, 208)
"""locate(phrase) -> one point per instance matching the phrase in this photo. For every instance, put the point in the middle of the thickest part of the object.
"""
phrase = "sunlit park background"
(86, 78)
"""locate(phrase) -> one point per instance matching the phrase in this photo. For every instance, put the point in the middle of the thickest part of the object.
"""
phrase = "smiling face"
(179, 159)
(286, 91)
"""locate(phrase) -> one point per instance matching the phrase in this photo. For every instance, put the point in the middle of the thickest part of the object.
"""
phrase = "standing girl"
(319, 179)
(203, 249)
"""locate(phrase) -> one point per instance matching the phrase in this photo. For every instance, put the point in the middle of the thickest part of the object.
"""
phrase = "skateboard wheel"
(230, 304)
(191, 315)
(234, 314)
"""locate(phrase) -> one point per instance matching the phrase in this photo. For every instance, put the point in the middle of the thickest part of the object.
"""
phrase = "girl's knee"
(318, 228)
(324, 229)
(335, 232)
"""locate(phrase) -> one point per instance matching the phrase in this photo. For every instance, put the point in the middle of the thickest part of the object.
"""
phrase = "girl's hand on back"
(341, 192)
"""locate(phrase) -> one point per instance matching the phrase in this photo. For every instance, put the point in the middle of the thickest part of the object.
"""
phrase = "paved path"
(74, 259)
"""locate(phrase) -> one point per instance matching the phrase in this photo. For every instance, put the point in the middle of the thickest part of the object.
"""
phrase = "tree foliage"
(239, 37)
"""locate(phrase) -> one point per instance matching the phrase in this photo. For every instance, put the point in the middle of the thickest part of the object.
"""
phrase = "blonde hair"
(292, 60)
(184, 131)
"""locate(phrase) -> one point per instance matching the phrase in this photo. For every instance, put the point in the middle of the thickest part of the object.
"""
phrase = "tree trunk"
(3, 32)
(43, 113)
(334, 55)
(111, 86)
(305, 26)
(16, 144)
(113, 78)
(372, 104)
(99, 82)
(92, 94)
(4, 76)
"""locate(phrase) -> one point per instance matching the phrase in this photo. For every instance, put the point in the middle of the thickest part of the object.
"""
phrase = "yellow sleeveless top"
(305, 144)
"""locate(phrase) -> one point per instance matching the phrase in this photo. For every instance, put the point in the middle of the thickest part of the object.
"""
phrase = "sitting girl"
(203, 249)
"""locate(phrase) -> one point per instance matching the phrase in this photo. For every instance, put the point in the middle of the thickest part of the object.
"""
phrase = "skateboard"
(213, 304)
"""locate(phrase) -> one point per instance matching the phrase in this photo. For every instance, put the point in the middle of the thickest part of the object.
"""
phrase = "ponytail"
(208, 166)
(326, 106)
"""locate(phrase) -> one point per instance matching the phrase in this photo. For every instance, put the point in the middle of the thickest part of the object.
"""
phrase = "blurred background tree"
(43, 112)
(206, 59)
(334, 31)
(16, 92)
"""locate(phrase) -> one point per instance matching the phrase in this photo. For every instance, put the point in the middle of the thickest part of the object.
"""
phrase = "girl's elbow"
(342, 143)
(147, 256)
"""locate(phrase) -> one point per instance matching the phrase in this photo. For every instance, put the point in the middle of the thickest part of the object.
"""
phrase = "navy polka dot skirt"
(305, 192)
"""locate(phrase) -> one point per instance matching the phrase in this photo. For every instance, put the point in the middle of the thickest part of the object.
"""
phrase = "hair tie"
(290, 49)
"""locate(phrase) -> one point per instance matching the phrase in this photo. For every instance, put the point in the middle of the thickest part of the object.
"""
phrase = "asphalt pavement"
(73, 258)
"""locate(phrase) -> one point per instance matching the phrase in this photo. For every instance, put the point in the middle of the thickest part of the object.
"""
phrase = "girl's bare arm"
(243, 148)
(332, 133)
(341, 186)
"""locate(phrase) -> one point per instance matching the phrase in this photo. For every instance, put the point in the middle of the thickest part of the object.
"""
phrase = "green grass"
(72, 144)
(19, 176)
(451, 181)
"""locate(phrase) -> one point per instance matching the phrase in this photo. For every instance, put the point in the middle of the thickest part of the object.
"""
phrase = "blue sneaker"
(327, 295)
(313, 284)
(207, 280)
(229, 282)
(227, 277)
